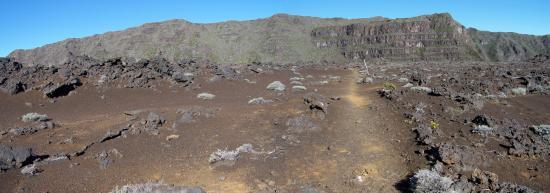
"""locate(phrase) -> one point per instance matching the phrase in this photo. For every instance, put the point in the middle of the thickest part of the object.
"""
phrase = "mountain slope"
(287, 39)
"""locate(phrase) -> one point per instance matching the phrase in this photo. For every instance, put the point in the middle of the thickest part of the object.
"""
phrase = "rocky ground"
(124, 126)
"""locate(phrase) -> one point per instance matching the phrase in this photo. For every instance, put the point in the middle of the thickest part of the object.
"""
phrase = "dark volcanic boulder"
(14, 157)
(317, 104)
(12, 86)
(52, 90)
(181, 77)
(482, 120)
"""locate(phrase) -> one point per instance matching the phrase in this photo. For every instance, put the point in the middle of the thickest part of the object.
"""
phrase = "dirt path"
(367, 130)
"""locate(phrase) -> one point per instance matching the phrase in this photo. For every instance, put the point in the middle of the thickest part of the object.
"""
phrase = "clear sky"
(31, 23)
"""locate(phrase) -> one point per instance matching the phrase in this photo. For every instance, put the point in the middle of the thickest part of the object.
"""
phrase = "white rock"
(519, 91)
(298, 88)
(276, 86)
(296, 79)
(30, 170)
(408, 85)
(259, 101)
(34, 117)
(206, 96)
(296, 83)
(421, 89)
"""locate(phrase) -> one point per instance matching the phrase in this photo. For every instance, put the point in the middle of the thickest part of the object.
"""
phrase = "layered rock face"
(436, 37)
(287, 39)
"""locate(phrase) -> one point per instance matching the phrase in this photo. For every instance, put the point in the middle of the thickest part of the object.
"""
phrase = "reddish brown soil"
(361, 136)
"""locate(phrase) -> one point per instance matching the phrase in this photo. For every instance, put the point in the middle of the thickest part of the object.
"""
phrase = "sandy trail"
(367, 132)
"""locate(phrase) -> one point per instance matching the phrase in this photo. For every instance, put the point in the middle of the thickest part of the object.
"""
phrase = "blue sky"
(32, 23)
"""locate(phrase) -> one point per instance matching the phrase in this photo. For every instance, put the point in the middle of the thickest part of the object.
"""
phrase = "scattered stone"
(33, 117)
(403, 80)
(419, 78)
(23, 131)
(461, 157)
(482, 120)
(106, 158)
(52, 90)
(250, 81)
(317, 104)
(365, 80)
(259, 101)
(334, 78)
(183, 77)
(296, 79)
(335, 98)
(206, 96)
(276, 86)
(102, 80)
(425, 134)
(438, 91)
(482, 129)
(112, 135)
(296, 83)
(298, 88)
(153, 122)
(421, 89)
(408, 85)
(12, 86)
(11, 157)
(31, 170)
(541, 129)
(520, 91)
(171, 137)
(230, 155)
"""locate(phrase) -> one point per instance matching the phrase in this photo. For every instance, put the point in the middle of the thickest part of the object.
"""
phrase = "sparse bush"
(34, 117)
(434, 125)
(221, 155)
(389, 86)
(155, 187)
(430, 181)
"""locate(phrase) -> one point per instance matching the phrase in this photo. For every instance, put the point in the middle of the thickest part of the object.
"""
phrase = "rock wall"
(435, 37)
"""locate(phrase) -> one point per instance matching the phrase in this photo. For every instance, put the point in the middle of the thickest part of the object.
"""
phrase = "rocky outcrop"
(434, 37)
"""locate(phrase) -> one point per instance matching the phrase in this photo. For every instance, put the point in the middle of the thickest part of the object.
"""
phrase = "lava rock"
(12, 86)
(317, 104)
(14, 157)
(482, 120)
(52, 90)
